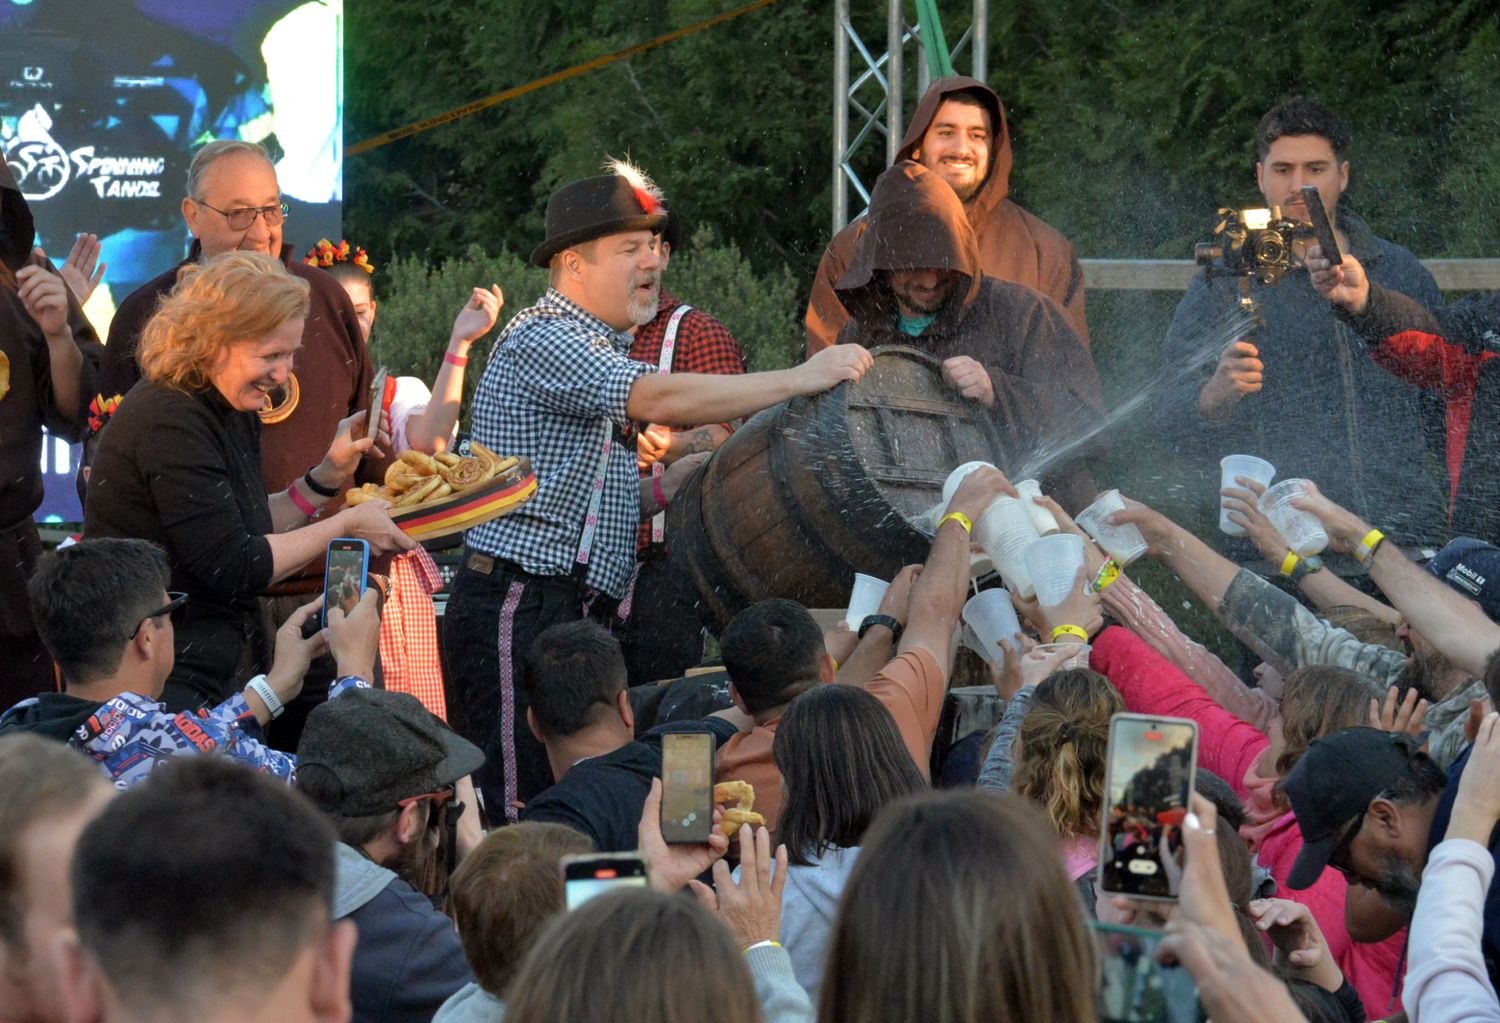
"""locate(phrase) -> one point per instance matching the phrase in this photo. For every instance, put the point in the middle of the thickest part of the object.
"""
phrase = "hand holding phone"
(1317, 213)
(346, 575)
(1148, 791)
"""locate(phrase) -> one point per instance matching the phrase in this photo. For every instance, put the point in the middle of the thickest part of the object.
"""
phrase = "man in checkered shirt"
(561, 389)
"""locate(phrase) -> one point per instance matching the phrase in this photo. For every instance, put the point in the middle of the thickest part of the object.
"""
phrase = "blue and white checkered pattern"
(555, 376)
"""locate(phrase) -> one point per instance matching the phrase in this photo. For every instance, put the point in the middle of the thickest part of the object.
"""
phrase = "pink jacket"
(1234, 750)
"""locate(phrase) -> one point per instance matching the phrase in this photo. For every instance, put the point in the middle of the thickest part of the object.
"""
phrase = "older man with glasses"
(105, 615)
(234, 202)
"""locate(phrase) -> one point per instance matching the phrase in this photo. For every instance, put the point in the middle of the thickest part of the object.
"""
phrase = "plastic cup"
(950, 485)
(1301, 530)
(1079, 659)
(1230, 466)
(1053, 562)
(974, 643)
(1045, 522)
(1005, 531)
(990, 617)
(1123, 543)
(864, 599)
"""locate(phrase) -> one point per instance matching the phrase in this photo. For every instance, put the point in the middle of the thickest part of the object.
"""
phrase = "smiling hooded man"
(915, 279)
(959, 132)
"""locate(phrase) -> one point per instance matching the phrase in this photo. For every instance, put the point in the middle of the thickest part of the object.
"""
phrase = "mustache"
(645, 280)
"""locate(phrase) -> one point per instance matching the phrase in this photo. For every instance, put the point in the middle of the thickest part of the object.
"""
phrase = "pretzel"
(419, 493)
(742, 794)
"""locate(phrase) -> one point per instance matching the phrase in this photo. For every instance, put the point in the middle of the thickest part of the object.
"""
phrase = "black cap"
(380, 747)
(595, 207)
(1333, 783)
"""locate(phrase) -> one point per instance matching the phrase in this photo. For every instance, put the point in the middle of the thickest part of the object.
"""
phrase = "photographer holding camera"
(1300, 391)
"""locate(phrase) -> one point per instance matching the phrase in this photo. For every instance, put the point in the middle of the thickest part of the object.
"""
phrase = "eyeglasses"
(1342, 849)
(174, 601)
(242, 217)
(442, 799)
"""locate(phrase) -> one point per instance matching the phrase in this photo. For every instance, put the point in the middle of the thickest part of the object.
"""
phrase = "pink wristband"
(456, 360)
(657, 493)
(303, 504)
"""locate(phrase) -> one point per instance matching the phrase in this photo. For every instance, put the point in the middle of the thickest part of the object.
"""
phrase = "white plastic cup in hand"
(1053, 562)
(950, 485)
(1123, 543)
(1005, 530)
(1078, 654)
(974, 643)
(1045, 522)
(991, 617)
(864, 599)
(1232, 466)
(1301, 530)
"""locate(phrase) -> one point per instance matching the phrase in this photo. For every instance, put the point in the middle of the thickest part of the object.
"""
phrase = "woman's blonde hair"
(231, 298)
(1063, 746)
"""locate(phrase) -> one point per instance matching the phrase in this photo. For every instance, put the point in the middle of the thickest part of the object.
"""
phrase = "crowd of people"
(222, 799)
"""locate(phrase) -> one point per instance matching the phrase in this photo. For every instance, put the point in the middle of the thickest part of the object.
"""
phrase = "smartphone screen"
(345, 575)
(1147, 789)
(1134, 987)
(588, 874)
(687, 787)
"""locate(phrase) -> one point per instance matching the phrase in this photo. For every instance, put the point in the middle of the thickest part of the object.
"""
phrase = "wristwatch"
(1306, 567)
(886, 620)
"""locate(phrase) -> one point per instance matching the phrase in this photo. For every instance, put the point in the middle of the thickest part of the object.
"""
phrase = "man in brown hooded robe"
(916, 280)
(49, 356)
(959, 132)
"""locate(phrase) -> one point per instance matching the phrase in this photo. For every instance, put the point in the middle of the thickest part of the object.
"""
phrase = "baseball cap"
(1472, 567)
(1333, 783)
(376, 748)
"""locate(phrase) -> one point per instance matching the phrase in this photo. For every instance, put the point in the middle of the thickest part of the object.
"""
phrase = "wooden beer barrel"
(811, 491)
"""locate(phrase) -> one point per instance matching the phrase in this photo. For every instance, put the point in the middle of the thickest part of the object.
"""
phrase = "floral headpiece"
(100, 410)
(325, 254)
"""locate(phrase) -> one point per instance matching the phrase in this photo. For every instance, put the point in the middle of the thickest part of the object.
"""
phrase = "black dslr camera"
(1252, 243)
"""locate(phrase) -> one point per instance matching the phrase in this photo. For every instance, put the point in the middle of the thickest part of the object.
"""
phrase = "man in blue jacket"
(384, 769)
(1301, 391)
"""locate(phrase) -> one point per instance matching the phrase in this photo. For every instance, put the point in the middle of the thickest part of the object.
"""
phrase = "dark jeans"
(663, 636)
(492, 619)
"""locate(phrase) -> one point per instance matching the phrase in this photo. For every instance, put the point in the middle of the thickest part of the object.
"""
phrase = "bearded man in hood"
(959, 132)
(916, 279)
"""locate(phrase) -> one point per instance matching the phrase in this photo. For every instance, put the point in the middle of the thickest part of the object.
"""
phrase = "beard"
(643, 312)
(1398, 885)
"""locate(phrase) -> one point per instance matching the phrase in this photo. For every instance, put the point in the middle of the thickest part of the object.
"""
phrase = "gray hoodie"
(809, 905)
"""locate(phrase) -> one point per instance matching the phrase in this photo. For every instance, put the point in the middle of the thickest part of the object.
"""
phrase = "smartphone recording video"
(346, 575)
(589, 874)
(687, 787)
(1147, 788)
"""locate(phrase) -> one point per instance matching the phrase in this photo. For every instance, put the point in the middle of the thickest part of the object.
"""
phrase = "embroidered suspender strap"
(596, 496)
(664, 365)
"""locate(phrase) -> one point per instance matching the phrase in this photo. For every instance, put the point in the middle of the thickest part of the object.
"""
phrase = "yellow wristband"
(1289, 562)
(1069, 630)
(961, 519)
(1367, 546)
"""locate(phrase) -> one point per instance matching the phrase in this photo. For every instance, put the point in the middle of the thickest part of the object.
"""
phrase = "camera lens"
(1269, 248)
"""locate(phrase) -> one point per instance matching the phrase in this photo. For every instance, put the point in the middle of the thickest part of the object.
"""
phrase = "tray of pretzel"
(438, 495)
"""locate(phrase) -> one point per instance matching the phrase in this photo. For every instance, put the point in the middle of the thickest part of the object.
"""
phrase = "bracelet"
(1108, 573)
(1069, 630)
(1289, 563)
(768, 943)
(260, 687)
(961, 519)
(303, 504)
(316, 487)
(658, 494)
(1369, 545)
(456, 360)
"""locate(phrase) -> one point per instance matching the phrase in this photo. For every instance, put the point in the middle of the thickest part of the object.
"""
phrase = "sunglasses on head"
(174, 601)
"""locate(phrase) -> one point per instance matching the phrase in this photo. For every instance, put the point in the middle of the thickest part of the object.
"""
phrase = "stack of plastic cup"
(864, 599)
(1005, 531)
(1230, 466)
(1044, 521)
(991, 617)
(1301, 530)
(1079, 654)
(1123, 543)
(1053, 562)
